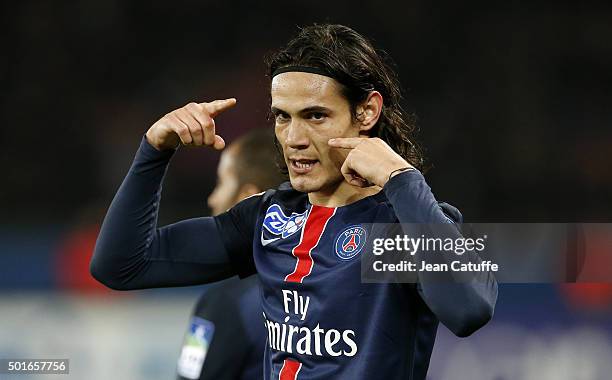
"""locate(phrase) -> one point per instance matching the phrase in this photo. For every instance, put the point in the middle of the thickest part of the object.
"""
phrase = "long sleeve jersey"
(322, 321)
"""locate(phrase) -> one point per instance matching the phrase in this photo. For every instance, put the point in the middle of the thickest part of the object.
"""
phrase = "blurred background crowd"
(513, 103)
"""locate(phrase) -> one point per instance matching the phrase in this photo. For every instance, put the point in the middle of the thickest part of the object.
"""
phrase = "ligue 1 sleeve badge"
(350, 242)
(195, 347)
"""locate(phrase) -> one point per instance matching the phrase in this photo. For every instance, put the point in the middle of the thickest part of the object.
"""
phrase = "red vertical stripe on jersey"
(290, 370)
(311, 234)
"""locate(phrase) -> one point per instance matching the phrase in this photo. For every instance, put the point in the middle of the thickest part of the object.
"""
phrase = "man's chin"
(304, 185)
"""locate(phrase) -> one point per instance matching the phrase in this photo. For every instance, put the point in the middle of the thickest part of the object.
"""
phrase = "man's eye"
(317, 115)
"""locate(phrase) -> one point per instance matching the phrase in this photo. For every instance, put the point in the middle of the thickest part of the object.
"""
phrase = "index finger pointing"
(216, 107)
(346, 142)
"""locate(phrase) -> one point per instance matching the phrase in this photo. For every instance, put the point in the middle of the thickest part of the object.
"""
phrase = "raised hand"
(192, 125)
(370, 160)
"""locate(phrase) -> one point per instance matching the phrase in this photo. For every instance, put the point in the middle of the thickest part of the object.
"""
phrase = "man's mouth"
(302, 166)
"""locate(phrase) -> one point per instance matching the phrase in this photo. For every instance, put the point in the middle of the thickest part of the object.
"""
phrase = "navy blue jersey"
(321, 321)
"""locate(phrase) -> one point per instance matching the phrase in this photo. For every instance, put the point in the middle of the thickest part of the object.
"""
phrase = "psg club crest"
(350, 242)
(277, 225)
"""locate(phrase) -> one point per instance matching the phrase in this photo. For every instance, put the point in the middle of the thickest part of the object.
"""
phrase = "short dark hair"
(353, 61)
(255, 159)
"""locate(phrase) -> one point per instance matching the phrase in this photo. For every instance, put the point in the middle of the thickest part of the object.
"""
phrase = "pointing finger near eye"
(346, 142)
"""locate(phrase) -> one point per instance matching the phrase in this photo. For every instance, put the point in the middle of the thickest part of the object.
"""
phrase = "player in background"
(220, 344)
(352, 162)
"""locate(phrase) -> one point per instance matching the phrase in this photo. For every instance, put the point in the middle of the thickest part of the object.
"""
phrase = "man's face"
(309, 110)
(225, 194)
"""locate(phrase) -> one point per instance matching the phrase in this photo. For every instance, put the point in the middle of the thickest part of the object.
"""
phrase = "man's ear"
(369, 111)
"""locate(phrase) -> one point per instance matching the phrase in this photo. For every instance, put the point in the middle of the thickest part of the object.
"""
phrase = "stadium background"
(513, 103)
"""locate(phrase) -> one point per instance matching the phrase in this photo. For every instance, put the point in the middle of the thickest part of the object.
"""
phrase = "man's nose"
(297, 135)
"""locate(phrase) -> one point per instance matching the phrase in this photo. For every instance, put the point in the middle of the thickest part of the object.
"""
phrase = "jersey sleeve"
(132, 252)
(237, 226)
(462, 305)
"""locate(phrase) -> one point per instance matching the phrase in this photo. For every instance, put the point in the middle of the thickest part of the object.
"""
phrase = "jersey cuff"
(149, 162)
(149, 152)
(401, 179)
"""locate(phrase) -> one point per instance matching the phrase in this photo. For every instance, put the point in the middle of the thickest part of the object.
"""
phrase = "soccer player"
(224, 313)
(351, 162)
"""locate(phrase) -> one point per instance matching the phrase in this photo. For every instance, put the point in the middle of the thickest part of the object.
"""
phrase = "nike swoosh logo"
(265, 242)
